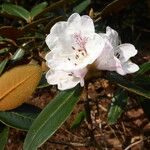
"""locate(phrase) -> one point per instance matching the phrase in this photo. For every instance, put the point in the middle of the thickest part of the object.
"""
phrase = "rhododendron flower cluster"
(75, 46)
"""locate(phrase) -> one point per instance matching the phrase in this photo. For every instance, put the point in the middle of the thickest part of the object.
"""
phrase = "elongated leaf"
(43, 82)
(128, 85)
(59, 4)
(82, 6)
(142, 80)
(21, 117)
(18, 54)
(119, 101)
(2, 65)
(17, 84)
(38, 9)
(16, 10)
(145, 106)
(79, 118)
(3, 136)
(3, 50)
(144, 68)
(51, 118)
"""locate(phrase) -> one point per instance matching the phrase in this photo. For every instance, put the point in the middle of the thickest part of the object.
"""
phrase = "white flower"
(73, 44)
(116, 56)
(66, 80)
(75, 47)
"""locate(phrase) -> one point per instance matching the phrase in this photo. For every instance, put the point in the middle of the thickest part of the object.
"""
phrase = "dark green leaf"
(79, 118)
(2, 65)
(52, 7)
(144, 68)
(3, 136)
(82, 6)
(43, 82)
(119, 101)
(16, 10)
(21, 117)
(142, 80)
(51, 118)
(38, 9)
(128, 85)
(145, 106)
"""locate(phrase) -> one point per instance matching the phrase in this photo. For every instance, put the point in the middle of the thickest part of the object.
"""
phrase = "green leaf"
(119, 101)
(82, 6)
(56, 5)
(21, 117)
(145, 106)
(4, 50)
(128, 85)
(1, 38)
(79, 118)
(16, 10)
(51, 118)
(43, 82)
(18, 54)
(142, 80)
(38, 9)
(3, 136)
(143, 68)
(2, 65)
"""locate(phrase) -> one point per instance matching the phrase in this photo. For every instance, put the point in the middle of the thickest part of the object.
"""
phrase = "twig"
(133, 144)
(69, 143)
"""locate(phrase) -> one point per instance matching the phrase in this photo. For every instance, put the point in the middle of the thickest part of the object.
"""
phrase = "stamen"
(82, 53)
(69, 59)
(117, 55)
(73, 48)
(77, 56)
(70, 74)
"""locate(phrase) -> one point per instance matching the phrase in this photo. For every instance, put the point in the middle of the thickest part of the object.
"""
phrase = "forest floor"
(131, 132)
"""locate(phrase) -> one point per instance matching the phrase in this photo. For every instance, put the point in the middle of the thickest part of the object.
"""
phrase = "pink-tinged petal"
(125, 51)
(112, 36)
(107, 60)
(81, 74)
(63, 80)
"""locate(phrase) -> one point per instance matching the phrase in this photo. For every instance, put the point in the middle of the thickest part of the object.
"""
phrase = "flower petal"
(87, 24)
(94, 48)
(125, 51)
(80, 23)
(130, 67)
(107, 60)
(63, 79)
(80, 74)
(112, 36)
